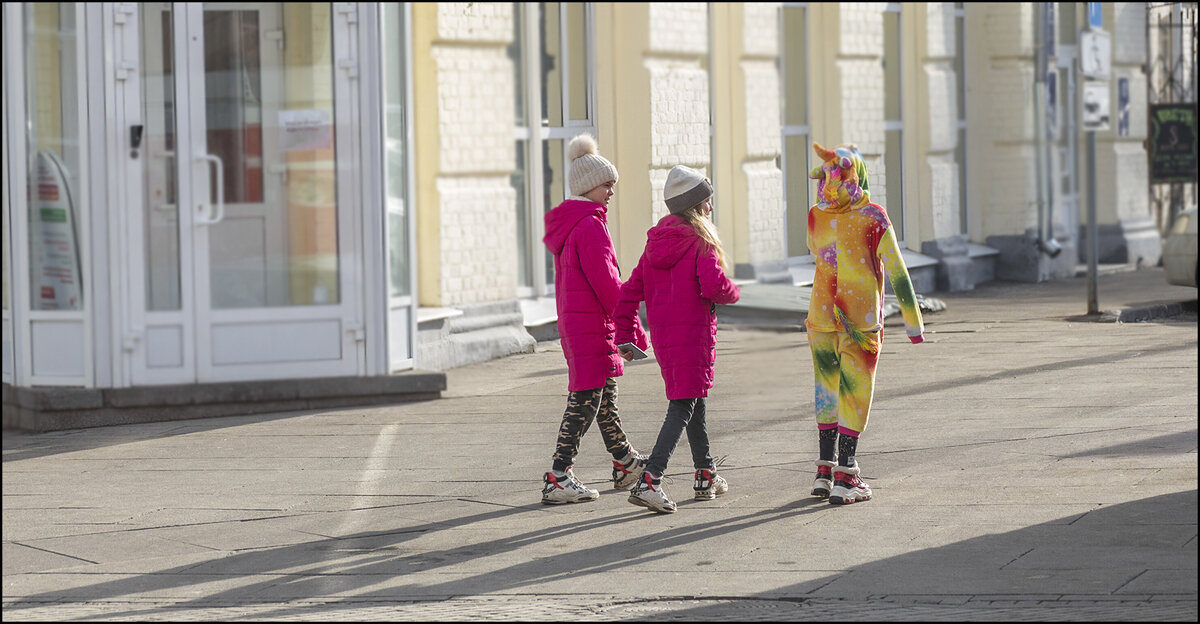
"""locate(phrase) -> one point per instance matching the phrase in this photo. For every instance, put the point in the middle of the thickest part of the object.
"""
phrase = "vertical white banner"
(55, 245)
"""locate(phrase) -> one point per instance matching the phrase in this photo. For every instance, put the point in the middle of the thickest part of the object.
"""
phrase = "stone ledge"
(50, 409)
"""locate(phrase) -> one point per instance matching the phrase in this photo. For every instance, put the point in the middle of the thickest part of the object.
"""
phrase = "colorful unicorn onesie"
(853, 244)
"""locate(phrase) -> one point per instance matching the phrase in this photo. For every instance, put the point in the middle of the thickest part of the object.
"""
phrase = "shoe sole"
(564, 502)
(641, 503)
(704, 495)
(846, 500)
(820, 493)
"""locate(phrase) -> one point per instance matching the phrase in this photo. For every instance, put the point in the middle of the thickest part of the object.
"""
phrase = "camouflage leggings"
(583, 407)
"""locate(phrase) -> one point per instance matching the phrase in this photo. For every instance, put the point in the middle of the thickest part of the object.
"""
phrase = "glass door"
(246, 227)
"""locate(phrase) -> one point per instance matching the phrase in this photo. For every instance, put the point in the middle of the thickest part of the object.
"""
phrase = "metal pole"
(1093, 246)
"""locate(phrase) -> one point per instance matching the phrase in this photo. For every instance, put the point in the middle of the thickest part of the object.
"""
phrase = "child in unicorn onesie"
(853, 244)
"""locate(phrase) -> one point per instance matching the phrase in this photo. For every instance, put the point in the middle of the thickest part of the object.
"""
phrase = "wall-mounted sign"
(1095, 106)
(305, 129)
(1173, 142)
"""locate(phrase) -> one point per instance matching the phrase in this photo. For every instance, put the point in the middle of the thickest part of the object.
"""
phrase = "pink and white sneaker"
(848, 487)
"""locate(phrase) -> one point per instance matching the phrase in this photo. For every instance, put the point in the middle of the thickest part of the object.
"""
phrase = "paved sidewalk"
(1028, 462)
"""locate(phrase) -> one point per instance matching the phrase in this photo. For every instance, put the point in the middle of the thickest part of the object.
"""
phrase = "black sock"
(847, 445)
(828, 440)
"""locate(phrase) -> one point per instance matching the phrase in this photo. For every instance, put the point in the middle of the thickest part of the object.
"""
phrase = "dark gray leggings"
(682, 414)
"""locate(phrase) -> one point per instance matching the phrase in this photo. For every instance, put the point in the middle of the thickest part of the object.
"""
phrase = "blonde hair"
(706, 230)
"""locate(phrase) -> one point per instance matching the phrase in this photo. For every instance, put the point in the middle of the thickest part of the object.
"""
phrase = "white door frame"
(239, 343)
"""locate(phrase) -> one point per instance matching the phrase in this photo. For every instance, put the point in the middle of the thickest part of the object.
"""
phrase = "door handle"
(218, 214)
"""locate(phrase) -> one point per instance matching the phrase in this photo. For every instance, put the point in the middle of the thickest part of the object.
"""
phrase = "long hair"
(706, 230)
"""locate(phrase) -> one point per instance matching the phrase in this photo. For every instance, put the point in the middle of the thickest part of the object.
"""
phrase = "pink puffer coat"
(680, 279)
(587, 282)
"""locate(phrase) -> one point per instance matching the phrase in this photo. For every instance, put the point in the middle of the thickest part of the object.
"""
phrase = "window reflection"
(55, 162)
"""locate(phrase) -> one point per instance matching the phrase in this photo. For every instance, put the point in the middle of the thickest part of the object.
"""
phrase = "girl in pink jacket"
(586, 283)
(681, 278)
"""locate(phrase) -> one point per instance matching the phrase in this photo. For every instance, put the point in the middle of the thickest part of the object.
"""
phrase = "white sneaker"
(848, 487)
(709, 485)
(649, 493)
(626, 474)
(565, 489)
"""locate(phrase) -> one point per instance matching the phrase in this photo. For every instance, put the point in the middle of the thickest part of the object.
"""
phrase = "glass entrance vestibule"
(205, 193)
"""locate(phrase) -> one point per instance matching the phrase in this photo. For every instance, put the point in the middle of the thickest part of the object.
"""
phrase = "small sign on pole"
(1095, 15)
(1095, 54)
(1095, 106)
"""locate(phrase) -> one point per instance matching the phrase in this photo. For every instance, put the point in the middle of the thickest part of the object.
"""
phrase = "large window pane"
(269, 106)
(233, 92)
(796, 151)
(891, 65)
(394, 154)
(55, 162)
(577, 56)
(555, 176)
(161, 207)
(524, 244)
(893, 168)
(551, 63)
(795, 66)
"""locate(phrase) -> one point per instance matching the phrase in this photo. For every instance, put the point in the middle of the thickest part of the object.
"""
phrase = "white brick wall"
(764, 210)
(860, 28)
(763, 125)
(942, 173)
(1121, 182)
(476, 153)
(1128, 28)
(679, 112)
(479, 241)
(939, 30)
(475, 109)
(475, 21)
(942, 94)
(760, 28)
(679, 27)
(1008, 28)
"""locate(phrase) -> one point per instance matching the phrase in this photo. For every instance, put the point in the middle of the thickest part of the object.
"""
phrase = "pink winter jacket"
(586, 284)
(680, 279)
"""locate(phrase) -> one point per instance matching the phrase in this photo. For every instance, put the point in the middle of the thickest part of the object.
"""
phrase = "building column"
(1126, 232)
(1000, 79)
(466, 205)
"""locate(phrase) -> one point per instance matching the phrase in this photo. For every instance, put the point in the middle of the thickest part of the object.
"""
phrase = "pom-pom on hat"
(685, 188)
(588, 168)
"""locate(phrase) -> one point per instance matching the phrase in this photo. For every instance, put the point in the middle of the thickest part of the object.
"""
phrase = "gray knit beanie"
(588, 168)
(685, 188)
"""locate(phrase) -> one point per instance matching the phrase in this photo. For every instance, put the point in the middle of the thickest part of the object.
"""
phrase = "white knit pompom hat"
(685, 188)
(588, 168)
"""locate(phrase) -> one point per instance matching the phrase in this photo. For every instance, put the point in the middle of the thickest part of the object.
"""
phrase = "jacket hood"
(667, 242)
(561, 220)
(841, 179)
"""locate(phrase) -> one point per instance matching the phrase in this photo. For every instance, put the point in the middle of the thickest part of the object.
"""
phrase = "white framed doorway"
(244, 238)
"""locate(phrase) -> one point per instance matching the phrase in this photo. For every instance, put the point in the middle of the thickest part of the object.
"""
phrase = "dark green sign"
(1173, 142)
